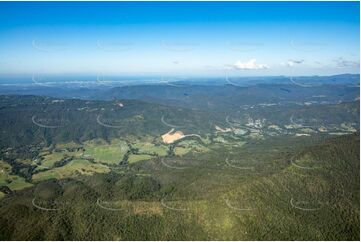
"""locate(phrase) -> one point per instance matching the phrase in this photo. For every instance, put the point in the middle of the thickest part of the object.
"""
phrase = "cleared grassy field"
(191, 145)
(67, 145)
(111, 153)
(12, 181)
(18, 183)
(181, 151)
(50, 159)
(136, 158)
(73, 168)
(150, 148)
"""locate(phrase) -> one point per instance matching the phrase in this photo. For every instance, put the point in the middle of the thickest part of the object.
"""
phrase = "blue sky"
(179, 38)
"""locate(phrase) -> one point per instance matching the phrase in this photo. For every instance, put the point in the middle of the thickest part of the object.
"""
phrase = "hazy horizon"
(180, 38)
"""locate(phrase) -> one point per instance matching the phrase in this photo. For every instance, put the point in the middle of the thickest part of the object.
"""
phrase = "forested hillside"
(320, 202)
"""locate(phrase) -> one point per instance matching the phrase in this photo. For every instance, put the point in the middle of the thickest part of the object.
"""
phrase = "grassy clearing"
(4, 168)
(135, 158)
(192, 145)
(73, 168)
(67, 145)
(181, 151)
(18, 183)
(12, 181)
(111, 153)
(150, 148)
(50, 157)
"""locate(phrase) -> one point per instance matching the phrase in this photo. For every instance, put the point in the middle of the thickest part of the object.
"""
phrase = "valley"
(238, 173)
(180, 120)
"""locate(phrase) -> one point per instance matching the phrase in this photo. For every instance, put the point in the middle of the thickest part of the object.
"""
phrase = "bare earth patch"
(219, 129)
(172, 136)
